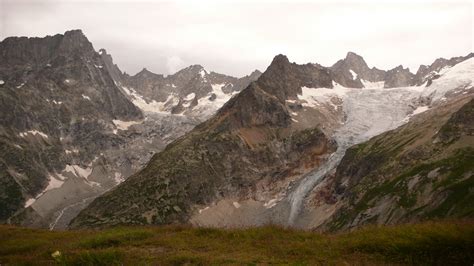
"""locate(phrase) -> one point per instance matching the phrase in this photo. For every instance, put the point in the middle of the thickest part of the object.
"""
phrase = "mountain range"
(309, 146)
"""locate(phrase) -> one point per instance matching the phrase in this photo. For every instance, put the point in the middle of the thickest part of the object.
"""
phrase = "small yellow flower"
(56, 254)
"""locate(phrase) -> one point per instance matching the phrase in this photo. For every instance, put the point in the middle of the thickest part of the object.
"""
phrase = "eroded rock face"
(431, 72)
(399, 77)
(350, 71)
(57, 99)
(284, 80)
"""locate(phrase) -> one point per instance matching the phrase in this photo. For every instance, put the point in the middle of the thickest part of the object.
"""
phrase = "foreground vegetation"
(431, 243)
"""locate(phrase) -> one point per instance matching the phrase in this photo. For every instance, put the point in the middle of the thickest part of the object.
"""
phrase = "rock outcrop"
(351, 71)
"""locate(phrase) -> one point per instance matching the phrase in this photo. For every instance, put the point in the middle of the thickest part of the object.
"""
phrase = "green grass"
(441, 243)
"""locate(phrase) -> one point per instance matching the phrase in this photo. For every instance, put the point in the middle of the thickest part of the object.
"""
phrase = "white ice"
(354, 75)
(33, 132)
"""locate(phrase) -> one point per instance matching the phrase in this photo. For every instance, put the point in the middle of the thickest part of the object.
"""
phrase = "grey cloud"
(237, 37)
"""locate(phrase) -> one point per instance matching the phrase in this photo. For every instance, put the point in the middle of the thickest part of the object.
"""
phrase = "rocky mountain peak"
(256, 72)
(284, 80)
(349, 70)
(113, 69)
(356, 61)
(40, 51)
(76, 34)
(145, 73)
(279, 60)
(74, 41)
(430, 72)
(399, 77)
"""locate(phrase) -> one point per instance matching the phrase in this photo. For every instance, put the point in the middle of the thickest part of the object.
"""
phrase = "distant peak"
(353, 58)
(352, 55)
(279, 59)
(75, 35)
(399, 67)
(196, 66)
(256, 72)
(144, 71)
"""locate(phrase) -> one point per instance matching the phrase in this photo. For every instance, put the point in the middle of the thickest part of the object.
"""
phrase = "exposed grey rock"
(399, 77)
(428, 73)
(353, 62)
(57, 97)
(284, 79)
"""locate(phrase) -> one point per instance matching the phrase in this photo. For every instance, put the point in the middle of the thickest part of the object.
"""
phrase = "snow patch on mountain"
(33, 132)
(78, 171)
(354, 75)
(29, 202)
(118, 178)
(124, 125)
(458, 76)
(203, 73)
(151, 106)
(214, 100)
(190, 96)
(53, 183)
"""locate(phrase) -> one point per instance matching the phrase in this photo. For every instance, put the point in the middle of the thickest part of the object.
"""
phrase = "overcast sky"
(237, 37)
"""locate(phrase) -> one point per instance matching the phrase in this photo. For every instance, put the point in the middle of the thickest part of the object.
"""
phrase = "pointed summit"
(352, 55)
(280, 59)
(144, 71)
(351, 70)
(75, 40)
(356, 61)
(285, 80)
(147, 74)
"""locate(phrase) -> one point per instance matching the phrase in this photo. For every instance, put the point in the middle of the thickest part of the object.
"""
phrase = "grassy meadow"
(429, 243)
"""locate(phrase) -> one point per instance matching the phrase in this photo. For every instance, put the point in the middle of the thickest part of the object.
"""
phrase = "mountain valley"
(306, 146)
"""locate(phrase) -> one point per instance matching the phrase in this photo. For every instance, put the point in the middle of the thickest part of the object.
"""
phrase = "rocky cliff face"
(58, 104)
(399, 77)
(429, 73)
(353, 72)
